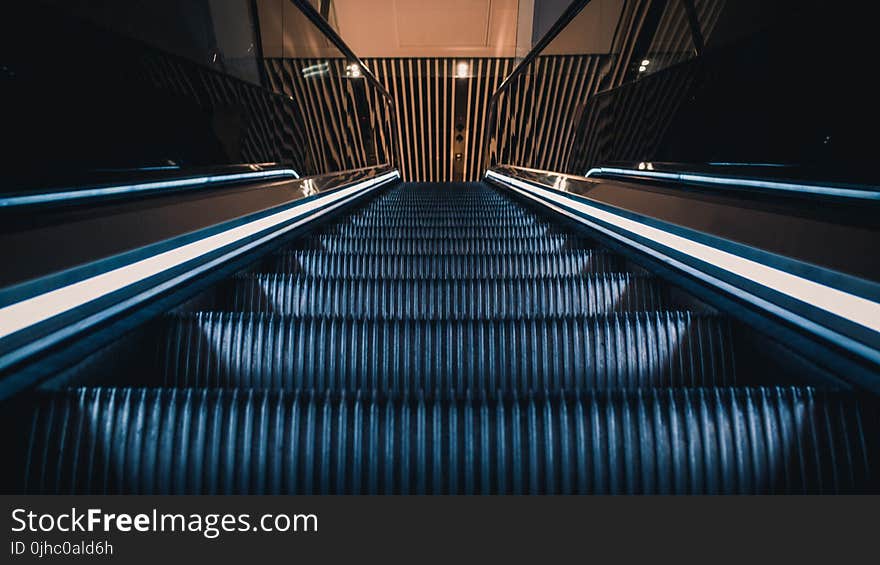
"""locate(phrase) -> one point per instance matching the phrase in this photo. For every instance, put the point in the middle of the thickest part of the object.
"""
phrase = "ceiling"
(437, 28)
(416, 28)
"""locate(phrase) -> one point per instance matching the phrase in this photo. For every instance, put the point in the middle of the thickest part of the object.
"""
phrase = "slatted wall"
(344, 123)
(628, 122)
(549, 113)
(267, 133)
(536, 118)
(429, 97)
(540, 121)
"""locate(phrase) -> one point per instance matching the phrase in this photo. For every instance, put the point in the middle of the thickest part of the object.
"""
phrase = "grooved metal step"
(620, 350)
(441, 246)
(434, 214)
(723, 440)
(498, 265)
(448, 298)
(361, 219)
(434, 232)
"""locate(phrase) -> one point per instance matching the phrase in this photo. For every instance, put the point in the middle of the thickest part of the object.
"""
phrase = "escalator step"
(434, 206)
(620, 350)
(485, 199)
(441, 246)
(344, 230)
(449, 298)
(727, 440)
(372, 265)
(431, 213)
(435, 222)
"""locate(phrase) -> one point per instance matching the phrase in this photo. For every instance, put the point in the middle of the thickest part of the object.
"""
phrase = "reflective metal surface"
(836, 235)
(699, 82)
(52, 240)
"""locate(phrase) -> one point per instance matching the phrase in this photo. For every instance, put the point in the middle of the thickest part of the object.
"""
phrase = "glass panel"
(345, 118)
(764, 88)
(96, 92)
(220, 34)
(672, 41)
(532, 124)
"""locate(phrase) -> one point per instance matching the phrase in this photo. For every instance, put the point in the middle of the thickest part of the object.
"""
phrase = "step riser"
(716, 441)
(433, 247)
(475, 217)
(377, 222)
(432, 233)
(450, 299)
(258, 351)
(568, 264)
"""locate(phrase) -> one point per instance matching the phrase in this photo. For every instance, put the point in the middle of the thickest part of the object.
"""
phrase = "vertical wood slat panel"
(535, 121)
(330, 114)
(424, 93)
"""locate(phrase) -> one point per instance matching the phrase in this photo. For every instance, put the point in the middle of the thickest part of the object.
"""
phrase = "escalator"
(444, 339)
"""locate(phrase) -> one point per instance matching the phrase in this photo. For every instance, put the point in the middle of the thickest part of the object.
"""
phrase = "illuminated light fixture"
(32, 311)
(650, 166)
(309, 188)
(750, 183)
(353, 70)
(560, 183)
(641, 166)
(46, 197)
(152, 168)
(729, 164)
(645, 62)
(462, 70)
(316, 70)
(643, 68)
(856, 309)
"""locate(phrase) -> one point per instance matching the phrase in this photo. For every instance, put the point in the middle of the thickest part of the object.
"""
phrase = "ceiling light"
(316, 70)
(461, 70)
(353, 70)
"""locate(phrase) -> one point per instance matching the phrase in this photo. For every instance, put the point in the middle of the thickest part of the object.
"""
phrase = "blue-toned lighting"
(848, 306)
(34, 310)
(316, 70)
(740, 182)
(47, 197)
(730, 164)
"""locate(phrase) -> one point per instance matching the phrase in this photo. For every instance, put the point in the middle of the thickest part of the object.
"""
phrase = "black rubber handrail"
(324, 27)
(573, 10)
(570, 13)
(331, 34)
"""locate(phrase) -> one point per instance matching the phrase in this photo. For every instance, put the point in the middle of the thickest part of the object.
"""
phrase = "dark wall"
(799, 91)
(779, 82)
(77, 99)
(80, 99)
(216, 33)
